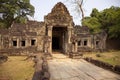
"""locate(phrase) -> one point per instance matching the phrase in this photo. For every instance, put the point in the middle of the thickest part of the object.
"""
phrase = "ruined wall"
(40, 38)
(89, 42)
(83, 38)
(113, 44)
(23, 37)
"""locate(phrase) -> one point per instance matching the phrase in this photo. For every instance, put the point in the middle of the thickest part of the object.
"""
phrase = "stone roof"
(29, 24)
(18, 27)
(83, 35)
(61, 8)
(35, 24)
(31, 33)
(59, 14)
(17, 34)
(81, 29)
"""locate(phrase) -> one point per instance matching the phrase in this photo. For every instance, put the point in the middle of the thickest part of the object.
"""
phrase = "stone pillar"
(92, 41)
(27, 42)
(66, 42)
(68, 36)
(50, 41)
(76, 46)
(10, 42)
(18, 43)
(38, 43)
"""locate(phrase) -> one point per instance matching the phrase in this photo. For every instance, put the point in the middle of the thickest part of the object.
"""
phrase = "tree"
(110, 20)
(93, 24)
(78, 6)
(107, 20)
(95, 13)
(14, 11)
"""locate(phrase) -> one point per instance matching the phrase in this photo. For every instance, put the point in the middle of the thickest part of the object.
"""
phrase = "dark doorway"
(58, 38)
(55, 43)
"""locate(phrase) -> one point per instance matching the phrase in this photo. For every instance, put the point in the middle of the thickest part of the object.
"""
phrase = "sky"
(43, 7)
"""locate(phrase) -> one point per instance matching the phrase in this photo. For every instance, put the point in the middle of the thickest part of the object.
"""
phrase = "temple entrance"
(59, 38)
(55, 43)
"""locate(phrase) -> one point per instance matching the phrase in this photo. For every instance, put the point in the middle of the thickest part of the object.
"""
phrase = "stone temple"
(56, 33)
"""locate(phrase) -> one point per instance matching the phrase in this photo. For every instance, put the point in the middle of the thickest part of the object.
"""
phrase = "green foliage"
(92, 23)
(94, 13)
(14, 10)
(114, 31)
(108, 20)
(107, 17)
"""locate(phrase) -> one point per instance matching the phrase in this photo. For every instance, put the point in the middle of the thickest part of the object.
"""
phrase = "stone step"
(59, 55)
(75, 55)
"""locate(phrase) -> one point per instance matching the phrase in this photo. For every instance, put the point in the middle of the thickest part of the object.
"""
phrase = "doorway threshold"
(59, 55)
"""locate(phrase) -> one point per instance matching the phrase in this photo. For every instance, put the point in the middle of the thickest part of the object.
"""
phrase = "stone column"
(27, 42)
(76, 46)
(92, 41)
(18, 43)
(50, 41)
(66, 42)
(10, 42)
(68, 36)
(38, 43)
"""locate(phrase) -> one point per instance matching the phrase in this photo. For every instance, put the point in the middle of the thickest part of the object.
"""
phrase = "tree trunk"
(81, 9)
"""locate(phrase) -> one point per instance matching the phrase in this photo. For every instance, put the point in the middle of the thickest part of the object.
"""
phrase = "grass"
(16, 68)
(112, 57)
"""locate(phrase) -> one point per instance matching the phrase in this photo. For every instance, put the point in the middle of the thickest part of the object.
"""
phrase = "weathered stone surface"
(104, 65)
(59, 15)
(41, 68)
(56, 32)
(76, 55)
(77, 69)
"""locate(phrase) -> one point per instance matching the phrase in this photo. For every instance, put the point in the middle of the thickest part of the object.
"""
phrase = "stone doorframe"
(68, 34)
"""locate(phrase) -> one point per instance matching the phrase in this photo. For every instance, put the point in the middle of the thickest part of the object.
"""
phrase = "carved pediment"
(60, 8)
(59, 14)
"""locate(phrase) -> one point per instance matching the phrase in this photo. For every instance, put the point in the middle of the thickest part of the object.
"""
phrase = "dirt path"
(63, 68)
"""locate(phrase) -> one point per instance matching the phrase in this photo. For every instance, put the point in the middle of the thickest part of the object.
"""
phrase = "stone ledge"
(104, 65)
(75, 55)
(41, 68)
